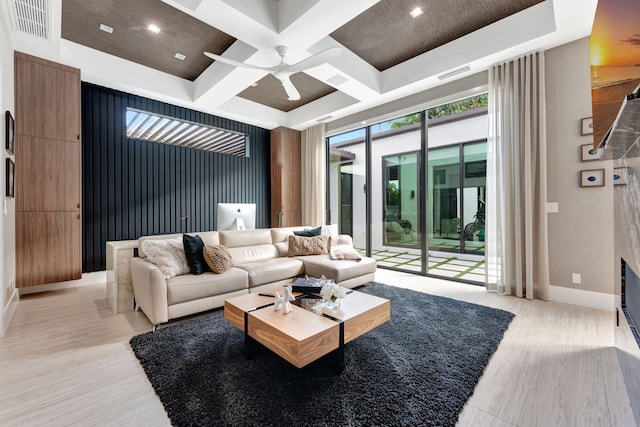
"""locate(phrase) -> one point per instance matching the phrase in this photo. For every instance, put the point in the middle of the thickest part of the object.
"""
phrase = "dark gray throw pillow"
(193, 246)
(311, 232)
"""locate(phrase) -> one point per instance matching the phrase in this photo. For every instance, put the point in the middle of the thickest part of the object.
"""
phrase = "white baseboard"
(8, 311)
(598, 300)
(98, 277)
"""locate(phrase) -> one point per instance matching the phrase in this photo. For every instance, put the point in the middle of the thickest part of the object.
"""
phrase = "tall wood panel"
(48, 174)
(286, 200)
(133, 188)
(50, 251)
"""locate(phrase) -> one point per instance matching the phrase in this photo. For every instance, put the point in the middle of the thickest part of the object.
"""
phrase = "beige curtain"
(517, 256)
(313, 175)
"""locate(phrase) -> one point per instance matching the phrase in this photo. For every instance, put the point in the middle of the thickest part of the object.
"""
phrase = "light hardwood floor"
(65, 360)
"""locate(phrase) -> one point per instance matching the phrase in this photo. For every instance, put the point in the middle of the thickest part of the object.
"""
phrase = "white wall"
(8, 294)
(581, 233)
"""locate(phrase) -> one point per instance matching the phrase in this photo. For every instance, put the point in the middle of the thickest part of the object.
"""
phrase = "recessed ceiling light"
(106, 28)
(153, 28)
(179, 56)
(416, 12)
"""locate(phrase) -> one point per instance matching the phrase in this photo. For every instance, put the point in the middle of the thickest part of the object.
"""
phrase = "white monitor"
(236, 216)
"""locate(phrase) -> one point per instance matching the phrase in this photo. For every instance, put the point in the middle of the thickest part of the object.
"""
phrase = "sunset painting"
(615, 60)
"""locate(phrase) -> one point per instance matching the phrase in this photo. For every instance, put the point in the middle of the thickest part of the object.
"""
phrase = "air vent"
(454, 72)
(168, 130)
(31, 17)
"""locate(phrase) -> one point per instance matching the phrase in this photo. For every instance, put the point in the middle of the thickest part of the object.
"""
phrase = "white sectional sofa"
(260, 263)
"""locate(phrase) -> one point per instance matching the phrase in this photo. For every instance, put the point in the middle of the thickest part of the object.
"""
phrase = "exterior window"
(152, 127)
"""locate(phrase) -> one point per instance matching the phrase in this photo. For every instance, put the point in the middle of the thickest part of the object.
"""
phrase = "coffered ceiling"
(386, 53)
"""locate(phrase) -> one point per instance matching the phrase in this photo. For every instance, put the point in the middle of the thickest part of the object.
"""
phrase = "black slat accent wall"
(132, 188)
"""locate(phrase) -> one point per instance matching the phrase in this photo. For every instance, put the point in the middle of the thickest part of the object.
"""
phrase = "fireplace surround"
(630, 297)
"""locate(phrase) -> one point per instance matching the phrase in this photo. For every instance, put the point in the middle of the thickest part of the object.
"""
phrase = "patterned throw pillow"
(299, 246)
(168, 255)
(218, 258)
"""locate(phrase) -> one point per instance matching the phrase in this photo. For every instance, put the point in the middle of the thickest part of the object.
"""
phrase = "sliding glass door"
(413, 196)
(396, 235)
(400, 208)
(456, 207)
(347, 186)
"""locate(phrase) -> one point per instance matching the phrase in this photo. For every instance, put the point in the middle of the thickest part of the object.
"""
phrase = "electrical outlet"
(575, 278)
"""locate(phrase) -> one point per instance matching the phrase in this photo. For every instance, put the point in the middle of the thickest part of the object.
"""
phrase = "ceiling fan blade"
(291, 90)
(316, 60)
(235, 63)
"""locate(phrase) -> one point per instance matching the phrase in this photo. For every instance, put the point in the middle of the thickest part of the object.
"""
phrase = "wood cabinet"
(48, 172)
(50, 179)
(286, 196)
(49, 247)
(48, 104)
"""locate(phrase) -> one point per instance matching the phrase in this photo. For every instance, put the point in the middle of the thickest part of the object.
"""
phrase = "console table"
(119, 284)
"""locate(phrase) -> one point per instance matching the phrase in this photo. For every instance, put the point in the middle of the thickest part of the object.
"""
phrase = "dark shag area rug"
(417, 369)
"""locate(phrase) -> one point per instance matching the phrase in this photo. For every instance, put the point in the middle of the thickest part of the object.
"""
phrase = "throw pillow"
(168, 255)
(344, 252)
(311, 232)
(193, 246)
(341, 247)
(329, 230)
(301, 246)
(218, 258)
(341, 240)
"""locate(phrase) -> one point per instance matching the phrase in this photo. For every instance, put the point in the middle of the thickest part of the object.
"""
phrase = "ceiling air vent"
(31, 17)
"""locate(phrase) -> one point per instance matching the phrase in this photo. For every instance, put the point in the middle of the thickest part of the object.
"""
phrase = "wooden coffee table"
(306, 334)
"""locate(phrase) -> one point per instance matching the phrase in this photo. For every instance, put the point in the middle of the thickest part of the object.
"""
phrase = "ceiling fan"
(283, 71)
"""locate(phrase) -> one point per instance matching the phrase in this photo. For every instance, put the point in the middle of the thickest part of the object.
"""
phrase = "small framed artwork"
(588, 154)
(9, 133)
(11, 173)
(592, 178)
(586, 126)
(620, 176)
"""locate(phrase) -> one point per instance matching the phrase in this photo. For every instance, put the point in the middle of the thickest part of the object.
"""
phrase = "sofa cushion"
(168, 255)
(193, 246)
(299, 245)
(338, 270)
(273, 270)
(217, 258)
(239, 238)
(245, 254)
(210, 237)
(282, 234)
(188, 287)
